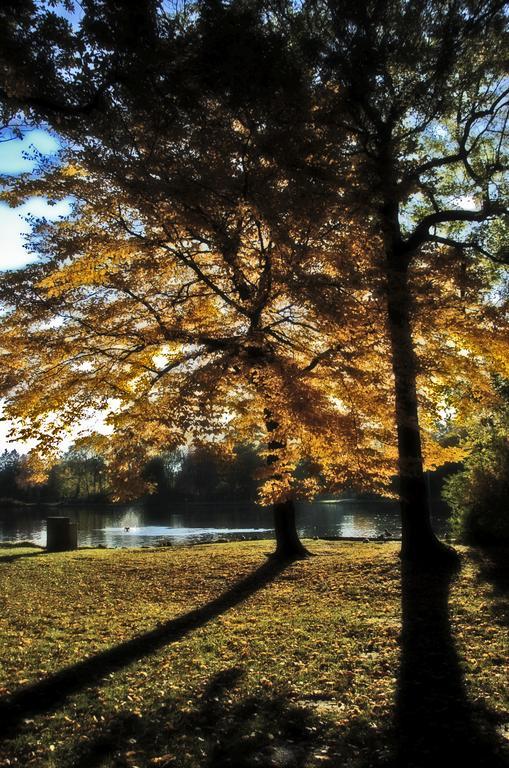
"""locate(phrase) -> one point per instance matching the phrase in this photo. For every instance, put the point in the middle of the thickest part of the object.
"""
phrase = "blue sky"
(20, 156)
(15, 158)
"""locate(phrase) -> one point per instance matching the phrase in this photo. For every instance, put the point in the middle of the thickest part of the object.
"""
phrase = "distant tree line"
(202, 474)
(80, 475)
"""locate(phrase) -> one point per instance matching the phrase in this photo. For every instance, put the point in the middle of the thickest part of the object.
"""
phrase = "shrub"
(479, 493)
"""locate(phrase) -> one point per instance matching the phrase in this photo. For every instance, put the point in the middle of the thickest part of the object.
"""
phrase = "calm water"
(135, 526)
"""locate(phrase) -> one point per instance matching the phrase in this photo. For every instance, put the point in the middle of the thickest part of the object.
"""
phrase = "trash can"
(62, 535)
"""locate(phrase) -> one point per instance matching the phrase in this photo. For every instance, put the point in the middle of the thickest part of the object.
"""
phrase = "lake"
(145, 525)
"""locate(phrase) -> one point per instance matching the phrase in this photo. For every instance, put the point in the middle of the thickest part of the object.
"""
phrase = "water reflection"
(142, 525)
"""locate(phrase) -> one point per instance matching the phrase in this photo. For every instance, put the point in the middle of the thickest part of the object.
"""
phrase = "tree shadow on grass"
(219, 729)
(435, 723)
(50, 692)
(493, 563)
(16, 556)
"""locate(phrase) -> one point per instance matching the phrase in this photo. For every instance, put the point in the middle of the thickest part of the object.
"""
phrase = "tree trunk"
(288, 544)
(419, 542)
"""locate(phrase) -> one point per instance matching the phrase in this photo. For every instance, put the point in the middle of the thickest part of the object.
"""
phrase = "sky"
(14, 160)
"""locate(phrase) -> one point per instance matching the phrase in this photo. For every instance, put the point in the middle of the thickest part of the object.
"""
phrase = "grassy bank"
(213, 656)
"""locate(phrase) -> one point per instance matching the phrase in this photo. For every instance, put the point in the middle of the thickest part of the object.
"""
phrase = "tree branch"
(474, 246)
(421, 233)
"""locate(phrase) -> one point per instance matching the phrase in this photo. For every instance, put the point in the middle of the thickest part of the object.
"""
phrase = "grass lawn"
(213, 655)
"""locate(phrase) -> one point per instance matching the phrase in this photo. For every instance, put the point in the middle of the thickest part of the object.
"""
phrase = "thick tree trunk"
(419, 542)
(288, 544)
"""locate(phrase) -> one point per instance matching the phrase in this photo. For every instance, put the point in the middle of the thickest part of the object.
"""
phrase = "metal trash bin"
(62, 535)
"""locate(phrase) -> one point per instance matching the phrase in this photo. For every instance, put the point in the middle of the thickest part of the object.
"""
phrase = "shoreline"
(25, 544)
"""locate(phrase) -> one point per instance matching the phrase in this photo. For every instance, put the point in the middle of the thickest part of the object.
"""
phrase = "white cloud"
(16, 154)
(13, 227)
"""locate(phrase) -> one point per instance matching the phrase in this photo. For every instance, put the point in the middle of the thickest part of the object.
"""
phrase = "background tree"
(79, 475)
(204, 474)
(163, 472)
(10, 471)
(478, 493)
(241, 473)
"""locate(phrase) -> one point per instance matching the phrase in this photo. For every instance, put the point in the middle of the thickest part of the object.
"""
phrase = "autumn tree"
(182, 339)
(166, 297)
(421, 90)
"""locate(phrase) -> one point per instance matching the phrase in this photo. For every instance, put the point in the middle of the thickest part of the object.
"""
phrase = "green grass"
(308, 668)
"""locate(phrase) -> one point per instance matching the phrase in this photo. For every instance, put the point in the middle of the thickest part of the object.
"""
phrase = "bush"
(479, 493)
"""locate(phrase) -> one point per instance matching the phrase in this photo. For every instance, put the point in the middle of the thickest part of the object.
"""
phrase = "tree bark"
(288, 543)
(419, 542)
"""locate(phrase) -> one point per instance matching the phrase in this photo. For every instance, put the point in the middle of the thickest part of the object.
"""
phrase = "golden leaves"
(198, 318)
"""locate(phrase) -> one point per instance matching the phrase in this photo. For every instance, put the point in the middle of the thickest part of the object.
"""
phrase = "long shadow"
(493, 563)
(52, 691)
(435, 722)
(14, 556)
(221, 729)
